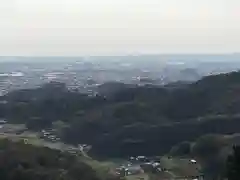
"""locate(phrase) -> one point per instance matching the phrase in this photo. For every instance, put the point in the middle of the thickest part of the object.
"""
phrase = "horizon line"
(117, 55)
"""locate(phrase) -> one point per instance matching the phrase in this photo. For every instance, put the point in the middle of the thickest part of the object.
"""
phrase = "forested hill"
(19, 161)
(132, 119)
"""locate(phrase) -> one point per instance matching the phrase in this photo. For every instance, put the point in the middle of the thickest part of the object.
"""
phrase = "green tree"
(181, 149)
(233, 164)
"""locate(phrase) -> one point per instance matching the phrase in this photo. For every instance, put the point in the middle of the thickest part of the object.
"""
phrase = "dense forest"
(131, 120)
(19, 161)
(233, 165)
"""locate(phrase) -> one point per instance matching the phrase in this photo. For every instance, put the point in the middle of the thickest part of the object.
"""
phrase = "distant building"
(132, 158)
(193, 161)
(3, 121)
(131, 170)
(142, 159)
(151, 167)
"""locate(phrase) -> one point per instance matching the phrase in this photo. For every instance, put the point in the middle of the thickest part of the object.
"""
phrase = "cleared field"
(176, 167)
(101, 167)
(143, 176)
(173, 167)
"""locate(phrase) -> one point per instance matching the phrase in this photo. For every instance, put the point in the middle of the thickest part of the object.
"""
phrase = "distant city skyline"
(118, 27)
(231, 57)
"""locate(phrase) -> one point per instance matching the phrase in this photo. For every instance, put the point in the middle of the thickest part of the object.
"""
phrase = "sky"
(113, 27)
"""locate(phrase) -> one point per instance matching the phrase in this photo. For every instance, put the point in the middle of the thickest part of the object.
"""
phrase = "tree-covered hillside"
(19, 161)
(132, 120)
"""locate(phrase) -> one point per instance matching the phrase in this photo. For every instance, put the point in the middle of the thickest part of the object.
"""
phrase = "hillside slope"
(132, 120)
(19, 161)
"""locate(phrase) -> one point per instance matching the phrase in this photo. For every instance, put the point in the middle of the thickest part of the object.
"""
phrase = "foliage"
(181, 149)
(233, 164)
(208, 146)
(132, 120)
(212, 152)
(19, 161)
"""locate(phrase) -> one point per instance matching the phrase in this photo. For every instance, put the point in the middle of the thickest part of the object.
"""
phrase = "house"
(121, 171)
(130, 170)
(132, 158)
(193, 161)
(142, 159)
(156, 164)
(151, 167)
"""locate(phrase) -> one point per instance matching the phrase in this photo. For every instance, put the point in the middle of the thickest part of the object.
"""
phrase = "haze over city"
(114, 27)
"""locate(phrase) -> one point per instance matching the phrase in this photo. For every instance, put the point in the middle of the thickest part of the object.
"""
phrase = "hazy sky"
(101, 27)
